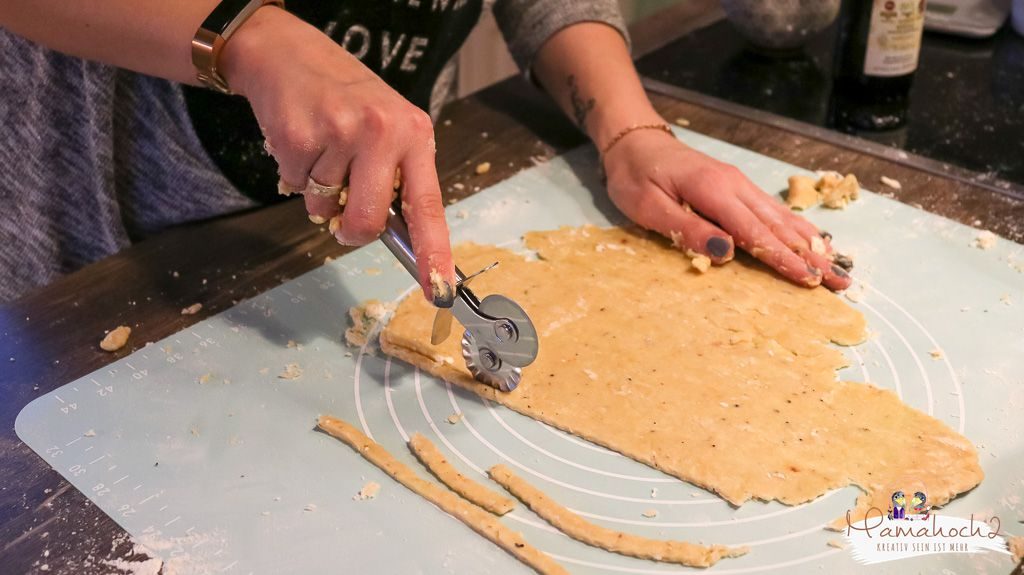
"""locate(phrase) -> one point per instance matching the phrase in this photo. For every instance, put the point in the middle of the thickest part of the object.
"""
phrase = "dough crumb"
(986, 240)
(894, 184)
(291, 371)
(838, 544)
(1016, 545)
(192, 309)
(438, 286)
(832, 189)
(483, 168)
(309, 507)
(654, 493)
(334, 224)
(455, 418)
(682, 122)
(292, 345)
(369, 491)
(837, 191)
(459, 186)
(936, 353)
(318, 220)
(264, 370)
(205, 378)
(650, 513)
(116, 338)
(818, 245)
(699, 262)
(372, 271)
(802, 193)
(462, 214)
(364, 316)
(90, 433)
(855, 293)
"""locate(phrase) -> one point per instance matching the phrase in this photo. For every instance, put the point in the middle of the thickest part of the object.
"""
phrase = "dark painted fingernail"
(839, 271)
(825, 235)
(813, 270)
(444, 294)
(843, 261)
(718, 247)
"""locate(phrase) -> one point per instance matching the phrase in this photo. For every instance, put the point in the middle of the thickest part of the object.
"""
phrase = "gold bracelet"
(630, 129)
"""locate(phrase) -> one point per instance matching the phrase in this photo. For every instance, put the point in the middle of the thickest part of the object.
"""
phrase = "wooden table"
(51, 337)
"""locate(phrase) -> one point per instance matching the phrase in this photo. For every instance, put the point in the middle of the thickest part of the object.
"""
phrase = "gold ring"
(318, 189)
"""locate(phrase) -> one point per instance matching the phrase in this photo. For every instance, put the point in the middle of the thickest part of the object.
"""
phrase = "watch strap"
(214, 33)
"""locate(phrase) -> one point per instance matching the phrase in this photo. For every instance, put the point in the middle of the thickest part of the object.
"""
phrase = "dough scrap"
(832, 189)
(891, 182)
(985, 240)
(1016, 546)
(368, 491)
(116, 338)
(475, 518)
(802, 193)
(432, 458)
(574, 526)
(671, 347)
(364, 317)
(837, 190)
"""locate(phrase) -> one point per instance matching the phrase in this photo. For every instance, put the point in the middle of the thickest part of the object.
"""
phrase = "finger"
(833, 277)
(687, 230)
(322, 201)
(428, 230)
(296, 150)
(753, 236)
(366, 210)
(321, 207)
(815, 237)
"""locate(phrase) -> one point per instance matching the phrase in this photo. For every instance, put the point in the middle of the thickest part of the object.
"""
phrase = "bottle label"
(894, 39)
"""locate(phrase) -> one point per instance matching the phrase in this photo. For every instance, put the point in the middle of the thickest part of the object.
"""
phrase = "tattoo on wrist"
(580, 107)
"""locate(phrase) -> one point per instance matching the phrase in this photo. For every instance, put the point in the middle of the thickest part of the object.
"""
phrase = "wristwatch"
(214, 33)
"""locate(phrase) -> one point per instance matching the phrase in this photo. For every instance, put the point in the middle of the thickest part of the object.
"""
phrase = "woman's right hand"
(329, 119)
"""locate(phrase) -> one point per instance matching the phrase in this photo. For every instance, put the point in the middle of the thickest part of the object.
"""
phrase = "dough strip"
(432, 458)
(681, 552)
(475, 518)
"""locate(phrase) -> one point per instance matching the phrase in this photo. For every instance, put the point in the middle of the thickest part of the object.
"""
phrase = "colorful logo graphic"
(919, 509)
(909, 528)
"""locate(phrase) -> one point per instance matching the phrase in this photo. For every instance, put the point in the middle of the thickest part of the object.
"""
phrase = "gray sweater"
(93, 158)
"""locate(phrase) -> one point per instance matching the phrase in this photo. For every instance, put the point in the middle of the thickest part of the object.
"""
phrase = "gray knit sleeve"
(527, 24)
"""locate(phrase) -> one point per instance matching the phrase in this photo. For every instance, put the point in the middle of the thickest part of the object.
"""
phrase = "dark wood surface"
(51, 337)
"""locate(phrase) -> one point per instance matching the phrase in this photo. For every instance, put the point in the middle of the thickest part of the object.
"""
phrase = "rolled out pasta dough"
(724, 379)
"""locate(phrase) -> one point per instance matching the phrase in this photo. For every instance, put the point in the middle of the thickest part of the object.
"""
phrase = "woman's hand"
(329, 119)
(655, 180)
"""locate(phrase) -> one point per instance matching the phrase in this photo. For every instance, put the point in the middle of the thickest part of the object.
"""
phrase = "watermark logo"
(909, 528)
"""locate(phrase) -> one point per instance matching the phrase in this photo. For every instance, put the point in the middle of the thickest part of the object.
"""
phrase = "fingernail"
(825, 235)
(718, 247)
(444, 297)
(839, 271)
(843, 261)
(442, 290)
(813, 270)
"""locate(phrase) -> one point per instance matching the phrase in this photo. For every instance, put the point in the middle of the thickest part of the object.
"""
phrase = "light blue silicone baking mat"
(204, 454)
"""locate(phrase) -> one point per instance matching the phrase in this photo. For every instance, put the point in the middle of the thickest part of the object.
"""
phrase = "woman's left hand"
(708, 206)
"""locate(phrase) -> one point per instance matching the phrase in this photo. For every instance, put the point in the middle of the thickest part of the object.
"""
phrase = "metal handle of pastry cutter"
(499, 338)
